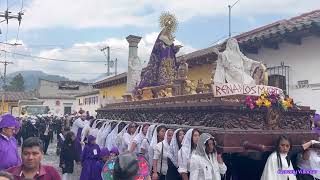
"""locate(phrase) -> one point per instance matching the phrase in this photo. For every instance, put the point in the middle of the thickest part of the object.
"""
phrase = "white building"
(60, 96)
(90, 101)
(291, 50)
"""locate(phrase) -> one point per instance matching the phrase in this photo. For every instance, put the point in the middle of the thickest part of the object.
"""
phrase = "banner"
(221, 90)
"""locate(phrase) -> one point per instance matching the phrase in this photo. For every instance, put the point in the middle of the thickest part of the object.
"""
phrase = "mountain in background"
(31, 78)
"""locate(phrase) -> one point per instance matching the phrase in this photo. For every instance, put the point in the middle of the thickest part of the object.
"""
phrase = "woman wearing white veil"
(100, 136)
(189, 145)
(128, 136)
(160, 157)
(119, 139)
(145, 144)
(174, 148)
(158, 136)
(308, 160)
(110, 141)
(135, 145)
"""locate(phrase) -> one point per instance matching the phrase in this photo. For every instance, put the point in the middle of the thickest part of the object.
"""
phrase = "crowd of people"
(170, 154)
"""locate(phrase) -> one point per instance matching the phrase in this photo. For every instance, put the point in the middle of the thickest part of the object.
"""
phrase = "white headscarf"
(110, 142)
(314, 159)
(138, 139)
(174, 148)
(100, 140)
(150, 132)
(153, 143)
(184, 154)
(119, 139)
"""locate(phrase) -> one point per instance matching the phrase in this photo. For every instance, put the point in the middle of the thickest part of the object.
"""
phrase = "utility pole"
(115, 67)
(108, 58)
(230, 7)
(6, 63)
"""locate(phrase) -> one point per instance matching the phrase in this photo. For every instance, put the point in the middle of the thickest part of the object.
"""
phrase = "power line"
(50, 59)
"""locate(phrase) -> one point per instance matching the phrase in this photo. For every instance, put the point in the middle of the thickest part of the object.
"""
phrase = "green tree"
(16, 84)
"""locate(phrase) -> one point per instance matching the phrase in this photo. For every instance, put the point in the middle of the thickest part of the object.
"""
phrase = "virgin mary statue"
(162, 66)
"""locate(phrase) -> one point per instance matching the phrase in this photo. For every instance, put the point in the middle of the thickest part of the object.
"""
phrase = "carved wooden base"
(225, 118)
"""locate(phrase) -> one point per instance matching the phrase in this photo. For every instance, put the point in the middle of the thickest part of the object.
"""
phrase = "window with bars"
(279, 77)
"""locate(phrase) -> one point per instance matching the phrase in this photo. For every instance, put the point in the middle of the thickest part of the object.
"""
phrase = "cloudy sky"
(76, 30)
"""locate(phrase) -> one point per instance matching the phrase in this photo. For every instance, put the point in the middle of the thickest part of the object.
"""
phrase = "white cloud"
(86, 51)
(119, 13)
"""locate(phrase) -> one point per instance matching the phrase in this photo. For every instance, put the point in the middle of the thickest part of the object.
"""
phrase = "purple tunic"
(8, 153)
(98, 169)
(90, 156)
(162, 65)
(77, 142)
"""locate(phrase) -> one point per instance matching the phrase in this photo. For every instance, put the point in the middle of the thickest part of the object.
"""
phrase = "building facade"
(60, 96)
(90, 101)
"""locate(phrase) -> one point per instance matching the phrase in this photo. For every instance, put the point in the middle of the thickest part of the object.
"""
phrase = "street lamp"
(231, 6)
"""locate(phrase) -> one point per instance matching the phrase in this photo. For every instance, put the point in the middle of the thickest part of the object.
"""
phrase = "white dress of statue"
(134, 70)
(233, 66)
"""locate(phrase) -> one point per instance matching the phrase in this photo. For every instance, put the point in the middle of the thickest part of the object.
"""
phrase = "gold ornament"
(168, 21)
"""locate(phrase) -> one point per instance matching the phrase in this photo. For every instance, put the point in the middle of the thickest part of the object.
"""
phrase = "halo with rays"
(169, 21)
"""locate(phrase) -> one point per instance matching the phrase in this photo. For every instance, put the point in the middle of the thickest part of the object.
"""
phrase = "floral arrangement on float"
(269, 100)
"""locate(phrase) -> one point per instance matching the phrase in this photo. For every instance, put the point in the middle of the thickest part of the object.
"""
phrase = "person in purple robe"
(162, 66)
(316, 122)
(104, 157)
(9, 126)
(90, 156)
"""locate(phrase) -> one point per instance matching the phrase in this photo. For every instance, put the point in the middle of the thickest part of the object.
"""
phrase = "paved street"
(53, 160)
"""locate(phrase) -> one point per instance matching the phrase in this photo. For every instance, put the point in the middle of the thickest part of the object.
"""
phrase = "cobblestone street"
(53, 160)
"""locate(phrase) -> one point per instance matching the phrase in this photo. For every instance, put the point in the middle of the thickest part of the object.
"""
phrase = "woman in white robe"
(145, 144)
(101, 137)
(111, 138)
(128, 136)
(160, 157)
(158, 136)
(189, 145)
(279, 165)
(135, 145)
(205, 163)
(174, 148)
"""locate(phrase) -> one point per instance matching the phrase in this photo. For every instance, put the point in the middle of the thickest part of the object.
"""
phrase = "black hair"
(193, 146)
(121, 126)
(214, 143)
(281, 138)
(69, 135)
(32, 142)
(177, 137)
(6, 175)
(91, 123)
(159, 129)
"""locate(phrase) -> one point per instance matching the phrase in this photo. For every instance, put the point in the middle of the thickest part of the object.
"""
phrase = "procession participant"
(78, 125)
(102, 134)
(90, 156)
(160, 157)
(189, 145)
(68, 155)
(110, 140)
(104, 157)
(44, 130)
(205, 163)
(175, 146)
(8, 144)
(129, 135)
(308, 160)
(279, 165)
(114, 152)
(119, 141)
(136, 144)
(157, 137)
(31, 168)
(145, 144)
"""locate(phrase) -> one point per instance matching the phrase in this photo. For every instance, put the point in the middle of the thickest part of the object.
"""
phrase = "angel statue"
(162, 66)
(235, 67)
